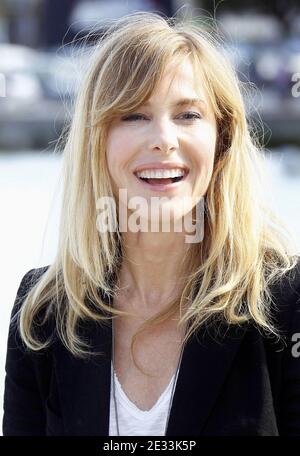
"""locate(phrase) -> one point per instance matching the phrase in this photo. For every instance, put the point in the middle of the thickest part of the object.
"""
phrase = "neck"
(154, 271)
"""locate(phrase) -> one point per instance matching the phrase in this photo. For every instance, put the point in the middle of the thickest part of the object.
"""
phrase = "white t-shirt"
(132, 420)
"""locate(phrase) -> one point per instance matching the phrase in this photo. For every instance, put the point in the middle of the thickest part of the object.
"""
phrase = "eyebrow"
(184, 102)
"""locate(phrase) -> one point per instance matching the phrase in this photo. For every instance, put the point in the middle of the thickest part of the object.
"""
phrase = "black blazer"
(242, 384)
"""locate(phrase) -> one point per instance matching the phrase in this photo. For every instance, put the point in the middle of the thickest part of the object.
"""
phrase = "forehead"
(182, 84)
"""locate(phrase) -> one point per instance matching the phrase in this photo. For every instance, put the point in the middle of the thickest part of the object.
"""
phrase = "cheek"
(112, 148)
(204, 169)
(118, 150)
(205, 150)
(208, 136)
(204, 156)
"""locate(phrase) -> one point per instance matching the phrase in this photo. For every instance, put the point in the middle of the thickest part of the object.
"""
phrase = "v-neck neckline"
(133, 407)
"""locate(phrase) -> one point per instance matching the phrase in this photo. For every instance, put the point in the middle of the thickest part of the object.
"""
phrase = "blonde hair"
(243, 251)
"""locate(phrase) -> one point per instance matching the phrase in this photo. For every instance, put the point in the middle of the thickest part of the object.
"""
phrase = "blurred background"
(41, 61)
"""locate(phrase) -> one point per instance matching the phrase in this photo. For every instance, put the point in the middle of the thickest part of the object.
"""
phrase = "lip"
(161, 165)
(163, 187)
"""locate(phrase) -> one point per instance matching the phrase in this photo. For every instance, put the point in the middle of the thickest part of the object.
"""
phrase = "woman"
(152, 331)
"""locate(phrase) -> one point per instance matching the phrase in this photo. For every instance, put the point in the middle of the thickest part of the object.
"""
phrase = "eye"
(191, 115)
(133, 117)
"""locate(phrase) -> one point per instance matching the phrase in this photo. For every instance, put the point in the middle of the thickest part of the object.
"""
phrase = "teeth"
(161, 173)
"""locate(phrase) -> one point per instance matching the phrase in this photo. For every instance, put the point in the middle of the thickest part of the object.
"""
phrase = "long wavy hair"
(246, 246)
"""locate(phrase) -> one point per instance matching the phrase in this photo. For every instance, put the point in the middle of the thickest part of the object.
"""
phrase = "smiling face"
(166, 132)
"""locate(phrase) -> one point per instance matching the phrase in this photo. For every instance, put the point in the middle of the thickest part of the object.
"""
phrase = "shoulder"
(28, 281)
(286, 300)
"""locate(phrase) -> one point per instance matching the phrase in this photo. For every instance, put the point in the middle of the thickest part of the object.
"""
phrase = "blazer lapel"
(84, 385)
(204, 366)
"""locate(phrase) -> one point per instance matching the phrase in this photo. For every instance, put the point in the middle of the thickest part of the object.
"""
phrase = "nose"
(164, 138)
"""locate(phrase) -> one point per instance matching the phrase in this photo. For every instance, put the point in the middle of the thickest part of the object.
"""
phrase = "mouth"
(163, 183)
